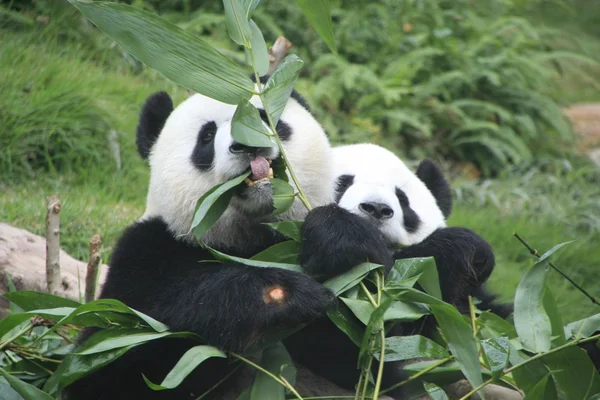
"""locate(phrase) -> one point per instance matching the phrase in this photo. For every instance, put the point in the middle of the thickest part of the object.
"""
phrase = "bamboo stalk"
(53, 278)
(93, 268)
(277, 52)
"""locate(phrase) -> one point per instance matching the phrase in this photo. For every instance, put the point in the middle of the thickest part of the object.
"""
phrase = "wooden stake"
(93, 268)
(277, 52)
(53, 278)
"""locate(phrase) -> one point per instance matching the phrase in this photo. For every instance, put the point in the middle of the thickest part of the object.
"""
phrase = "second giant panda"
(159, 269)
(406, 210)
(383, 212)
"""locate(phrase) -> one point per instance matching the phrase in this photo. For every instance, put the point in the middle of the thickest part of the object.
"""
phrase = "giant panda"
(383, 212)
(158, 268)
(405, 209)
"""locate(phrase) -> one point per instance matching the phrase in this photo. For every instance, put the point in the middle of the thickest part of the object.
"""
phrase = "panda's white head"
(190, 150)
(373, 183)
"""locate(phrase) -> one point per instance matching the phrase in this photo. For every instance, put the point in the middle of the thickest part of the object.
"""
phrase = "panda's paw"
(334, 240)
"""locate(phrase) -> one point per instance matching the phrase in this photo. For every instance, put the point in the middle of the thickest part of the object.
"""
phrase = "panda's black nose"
(242, 148)
(378, 211)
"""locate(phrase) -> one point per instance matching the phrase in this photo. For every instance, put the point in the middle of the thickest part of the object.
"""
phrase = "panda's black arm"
(334, 240)
(229, 305)
(464, 260)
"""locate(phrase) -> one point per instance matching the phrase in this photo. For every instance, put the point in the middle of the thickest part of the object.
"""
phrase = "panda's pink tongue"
(260, 168)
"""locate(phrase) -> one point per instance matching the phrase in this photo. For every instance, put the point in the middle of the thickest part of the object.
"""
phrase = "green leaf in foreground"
(495, 352)
(531, 320)
(107, 306)
(276, 360)
(573, 373)
(248, 128)
(213, 204)
(459, 337)
(283, 195)
(434, 391)
(259, 50)
(29, 392)
(110, 339)
(280, 85)
(423, 267)
(238, 26)
(254, 263)
(584, 327)
(289, 228)
(349, 279)
(30, 300)
(342, 317)
(400, 348)
(75, 367)
(186, 364)
(175, 53)
(319, 15)
(284, 252)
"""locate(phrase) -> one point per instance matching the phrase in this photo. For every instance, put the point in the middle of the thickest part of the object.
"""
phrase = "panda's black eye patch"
(402, 198)
(342, 184)
(411, 219)
(283, 130)
(207, 132)
(204, 150)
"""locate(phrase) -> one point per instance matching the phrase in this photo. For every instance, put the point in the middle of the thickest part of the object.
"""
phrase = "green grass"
(546, 206)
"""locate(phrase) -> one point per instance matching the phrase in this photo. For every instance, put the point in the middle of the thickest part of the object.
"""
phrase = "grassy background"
(56, 88)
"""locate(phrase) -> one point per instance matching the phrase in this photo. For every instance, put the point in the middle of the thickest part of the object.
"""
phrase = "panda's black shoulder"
(149, 237)
(147, 250)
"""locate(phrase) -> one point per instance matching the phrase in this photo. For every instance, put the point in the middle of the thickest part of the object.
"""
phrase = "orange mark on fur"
(274, 294)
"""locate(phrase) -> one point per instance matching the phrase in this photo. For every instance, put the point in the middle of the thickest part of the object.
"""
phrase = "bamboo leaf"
(75, 367)
(460, 341)
(434, 391)
(400, 348)
(573, 373)
(284, 252)
(496, 352)
(29, 300)
(248, 128)
(584, 327)
(213, 204)
(349, 279)
(29, 392)
(319, 15)
(253, 263)
(186, 364)
(280, 85)
(275, 359)
(259, 50)
(289, 228)
(343, 318)
(238, 25)
(283, 195)
(175, 53)
(531, 320)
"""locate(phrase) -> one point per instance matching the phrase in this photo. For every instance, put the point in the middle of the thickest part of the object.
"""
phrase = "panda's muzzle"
(261, 170)
(260, 165)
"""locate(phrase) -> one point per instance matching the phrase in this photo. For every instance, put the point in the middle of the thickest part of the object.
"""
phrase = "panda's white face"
(195, 151)
(375, 184)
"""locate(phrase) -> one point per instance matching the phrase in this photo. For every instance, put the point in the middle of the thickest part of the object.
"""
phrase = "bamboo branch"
(277, 52)
(53, 277)
(91, 277)
(554, 267)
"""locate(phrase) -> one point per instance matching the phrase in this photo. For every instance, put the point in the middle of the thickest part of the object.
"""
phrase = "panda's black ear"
(433, 177)
(153, 116)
